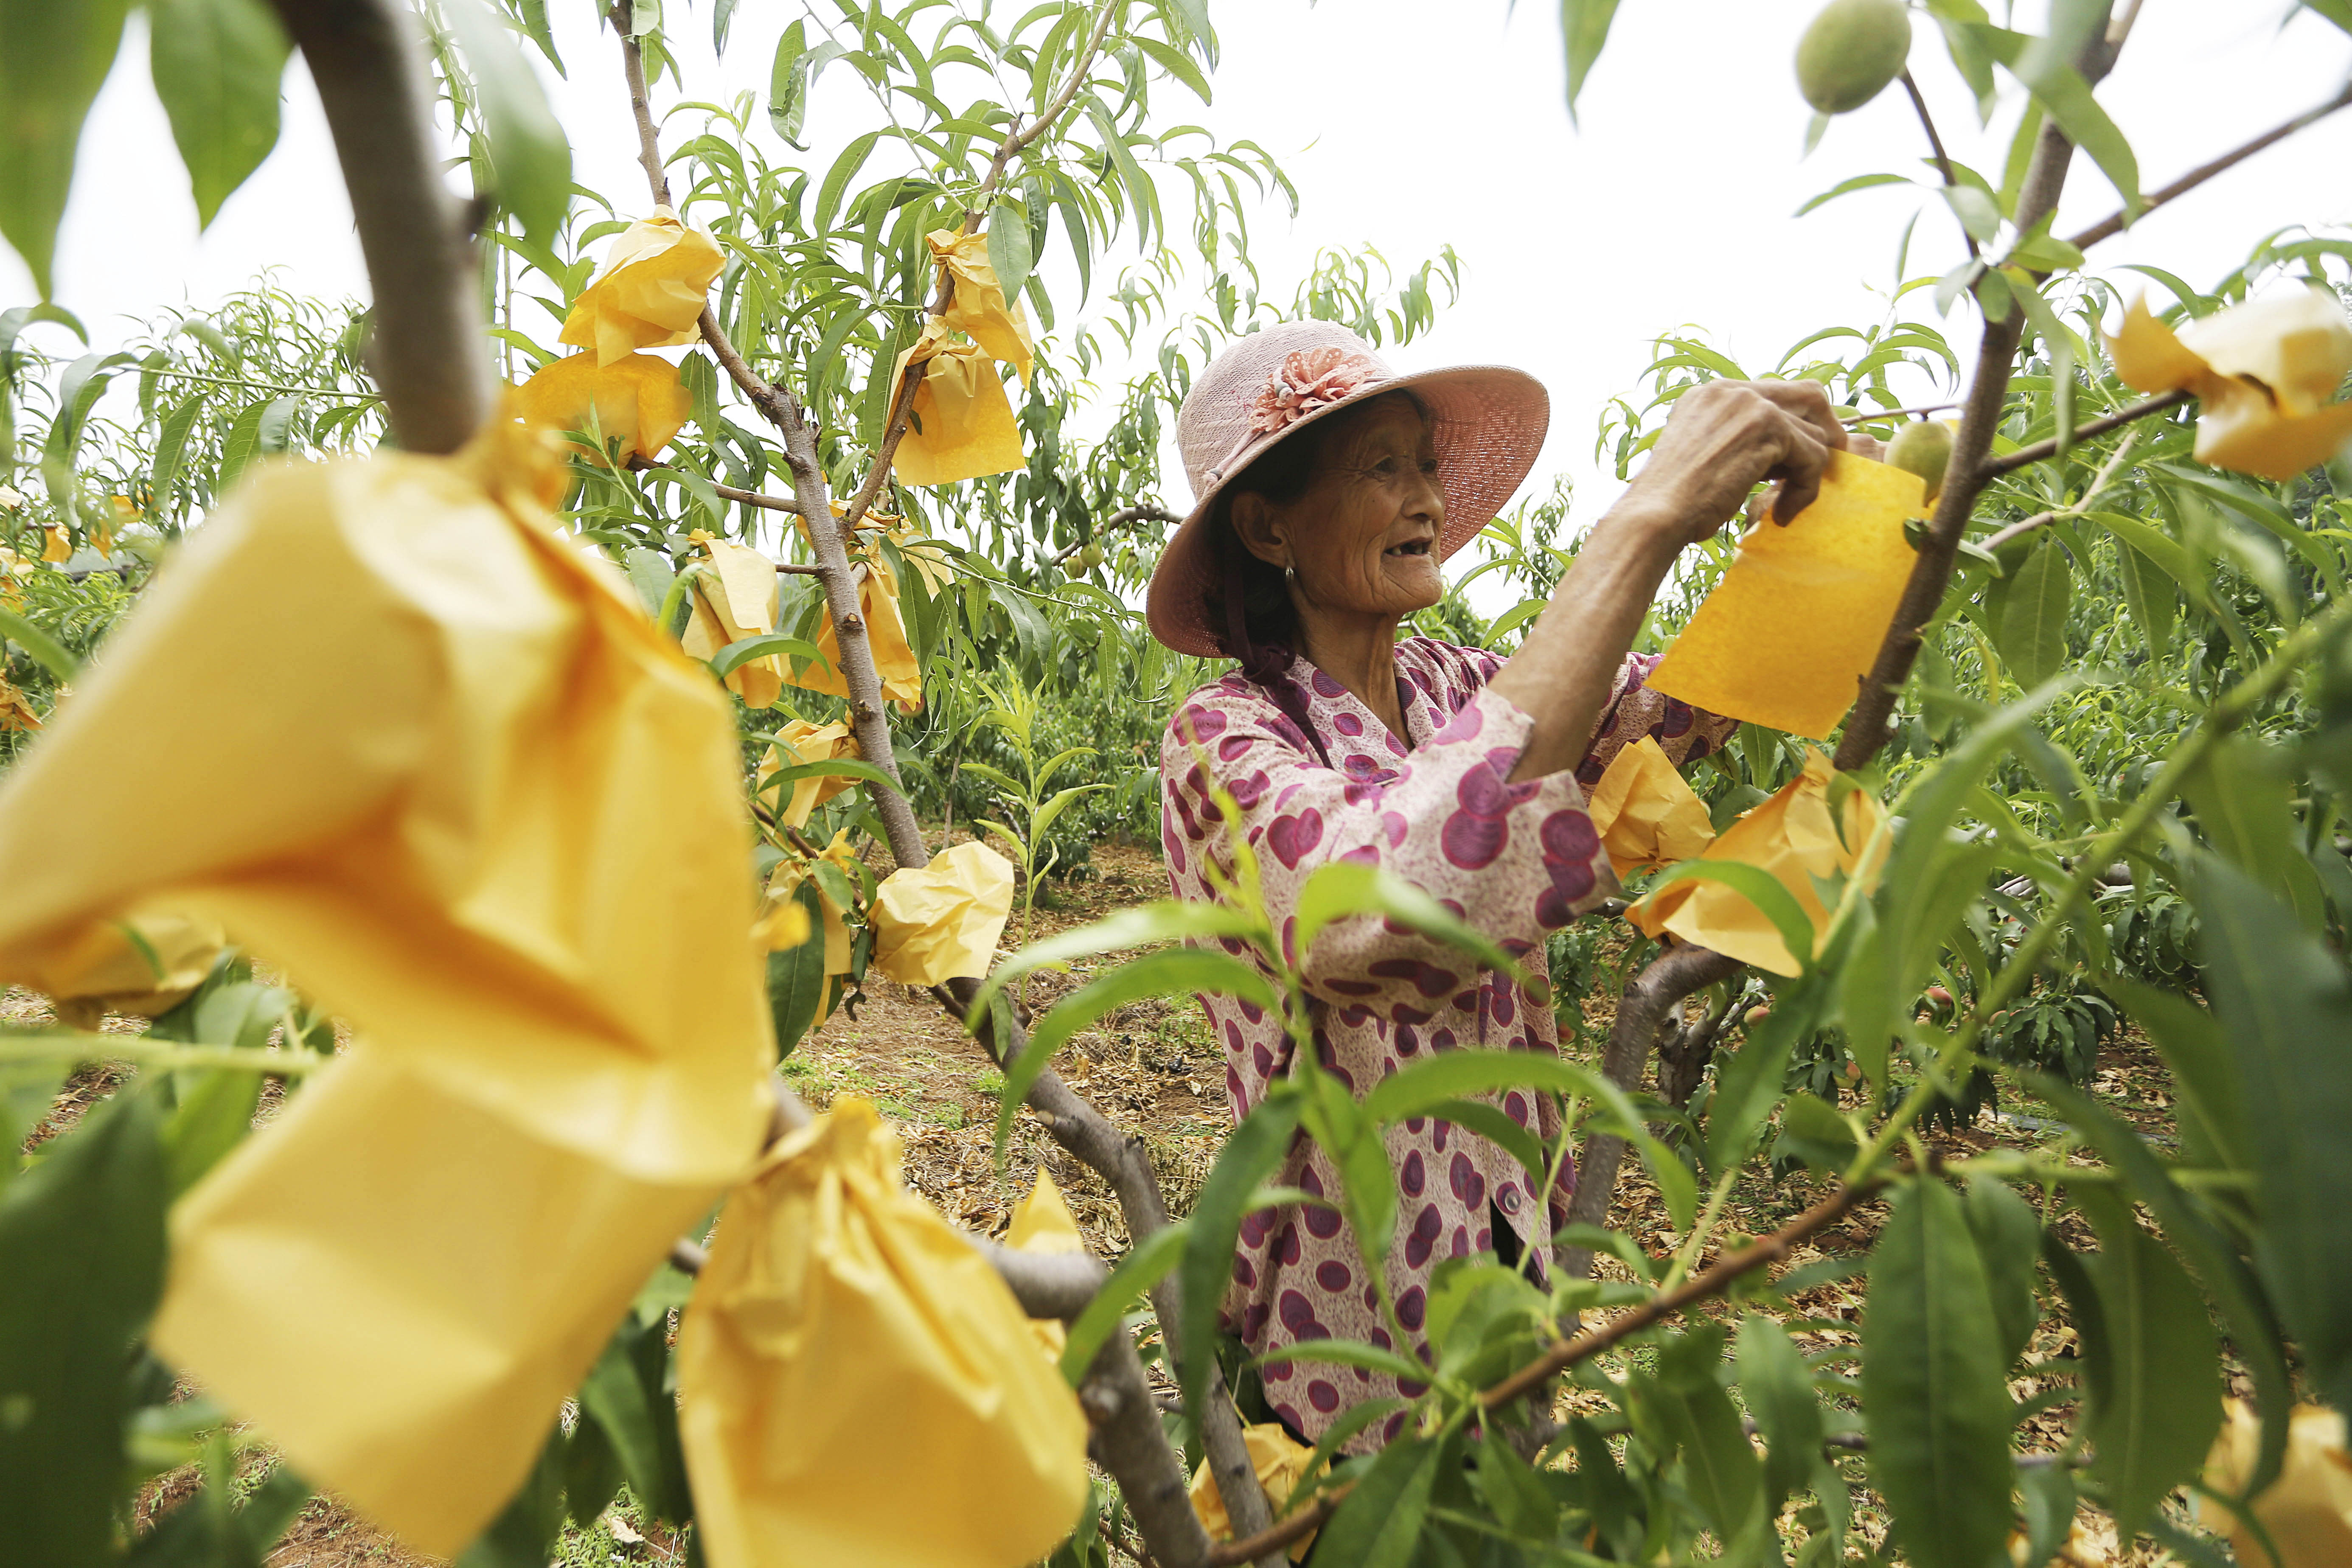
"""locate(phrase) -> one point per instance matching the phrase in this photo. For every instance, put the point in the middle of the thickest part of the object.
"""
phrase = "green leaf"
(2162, 1405)
(214, 1113)
(737, 654)
(2288, 1005)
(216, 64)
(1345, 888)
(2149, 594)
(1254, 1152)
(1347, 1352)
(46, 650)
(1749, 1084)
(1584, 32)
(523, 1535)
(2337, 11)
(528, 150)
(1380, 1525)
(2031, 631)
(1813, 1131)
(1368, 1185)
(1847, 187)
(1146, 1264)
(1779, 1389)
(2210, 1106)
(650, 574)
(1498, 1129)
(53, 57)
(2008, 1239)
(1008, 246)
(624, 1394)
(1760, 887)
(2059, 89)
(1168, 919)
(82, 1265)
(796, 976)
(171, 448)
(1719, 1464)
(1932, 1384)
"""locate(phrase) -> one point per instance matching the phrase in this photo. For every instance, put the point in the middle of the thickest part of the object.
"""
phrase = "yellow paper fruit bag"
(799, 742)
(457, 788)
(1281, 1464)
(650, 296)
(2265, 374)
(885, 636)
(144, 964)
(858, 1389)
(976, 305)
(2307, 1510)
(742, 604)
(1042, 1222)
(963, 426)
(785, 880)
(934, 923)
(1788, 634)
(16, 709)
(637, 397)
(1645, 812)
(1790, 836)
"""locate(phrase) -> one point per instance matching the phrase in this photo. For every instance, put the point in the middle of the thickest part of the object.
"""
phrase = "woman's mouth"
(1411, 547)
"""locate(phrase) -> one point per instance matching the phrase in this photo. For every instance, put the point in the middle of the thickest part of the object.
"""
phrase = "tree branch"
(2111, 225)
(427, 348)
(1125, 517)
(1943, 162)
(2041, 451)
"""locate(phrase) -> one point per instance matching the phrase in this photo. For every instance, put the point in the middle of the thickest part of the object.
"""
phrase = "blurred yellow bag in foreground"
(1280, 1464)
(1790, 836)
(885, 637)
(963, 426)
(1788, 634)
(656, 277)
(2307, 1510)
(858, 1387)
(935, 923)
(1645, 811)
(437, 767)
(637, 397)
(2265, 374)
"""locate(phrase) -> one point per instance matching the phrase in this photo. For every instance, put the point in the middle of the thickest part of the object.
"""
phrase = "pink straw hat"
(1487, 422)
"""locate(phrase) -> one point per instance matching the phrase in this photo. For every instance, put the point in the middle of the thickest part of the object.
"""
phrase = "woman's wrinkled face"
(1363, 539)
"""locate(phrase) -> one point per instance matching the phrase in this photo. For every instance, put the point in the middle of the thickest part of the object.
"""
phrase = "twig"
(1712, 1281)
(2109, 227)
(2041, 451)
(429, 350)
(1873, 418)
(1272, 1540)
(1951, 179)
(1125, 517)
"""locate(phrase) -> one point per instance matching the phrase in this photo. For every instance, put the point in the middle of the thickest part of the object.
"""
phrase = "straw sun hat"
(1487, 423)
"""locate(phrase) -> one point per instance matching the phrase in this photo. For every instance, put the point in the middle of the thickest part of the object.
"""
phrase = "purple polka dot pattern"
(1435, 806)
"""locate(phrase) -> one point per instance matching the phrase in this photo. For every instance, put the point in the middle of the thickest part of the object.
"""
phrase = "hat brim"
(1486, 423)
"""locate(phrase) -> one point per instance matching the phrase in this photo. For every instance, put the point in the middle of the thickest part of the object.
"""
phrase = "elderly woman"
(1330, 491)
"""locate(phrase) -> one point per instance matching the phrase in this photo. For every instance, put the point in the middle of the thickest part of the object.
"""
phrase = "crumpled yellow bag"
(145, 965)
(976, 305)
(1280, 1464)
(885, 636)
(963, 426)
(16, 709)
(2264, 374)
(1787, 636)
(1043, 1222)
(858, 1389)
(650, 296)
(743, 604)
(934, 923)
(802, 741)
(1792, 836)
(2307, 1510)
(786, 879)
(637, 397)
(456, 787)
(1645, 813)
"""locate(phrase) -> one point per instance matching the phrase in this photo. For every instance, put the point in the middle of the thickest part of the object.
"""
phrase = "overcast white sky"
(1408, 124)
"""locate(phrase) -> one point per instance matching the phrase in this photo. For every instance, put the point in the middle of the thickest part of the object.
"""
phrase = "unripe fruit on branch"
(1923, 448)
(1854, 48)
(1757, 1015)
(1089, 558)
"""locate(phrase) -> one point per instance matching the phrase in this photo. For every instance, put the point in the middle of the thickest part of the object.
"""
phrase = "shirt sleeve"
(1683, 732)
(1514, 860)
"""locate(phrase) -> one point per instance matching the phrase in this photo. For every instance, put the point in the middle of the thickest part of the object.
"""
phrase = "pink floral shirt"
(1516, 861)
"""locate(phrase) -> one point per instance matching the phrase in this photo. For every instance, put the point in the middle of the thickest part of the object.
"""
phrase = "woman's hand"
(1721, 440)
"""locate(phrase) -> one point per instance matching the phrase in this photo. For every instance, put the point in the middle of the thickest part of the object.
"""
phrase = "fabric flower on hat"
(636, 397)
(741, 604)
(1280, 1463)
(2265, 374)
(1645, 813)
(1792, 836)
(656, 276)
(802, 741)
(976, 305)
(1308, 380)
(843, 1338)
(885, 636)
(2307, 1510)
(938, 921)
(962, 426)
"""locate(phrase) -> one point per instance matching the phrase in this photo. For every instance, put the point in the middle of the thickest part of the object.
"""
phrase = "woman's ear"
(1262, 529)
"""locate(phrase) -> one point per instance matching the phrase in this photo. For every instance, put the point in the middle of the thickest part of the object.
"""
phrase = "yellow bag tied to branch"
(144, 964)
(934, 923)
(637, 397)
(976, 305)
(1645, 813)
(1787, 636)
(1791, 835)
(742, 604)
(455, 785)
(1043, 1222)
(802, 741)
(656, 277)
(1281, 1464)
(2264, 374)
(886, 639)
(963, 426)
(785, 880)
(2307, 1510)
(858, 1389)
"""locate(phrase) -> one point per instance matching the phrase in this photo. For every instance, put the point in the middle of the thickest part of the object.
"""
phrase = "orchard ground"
(1152, 1069)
